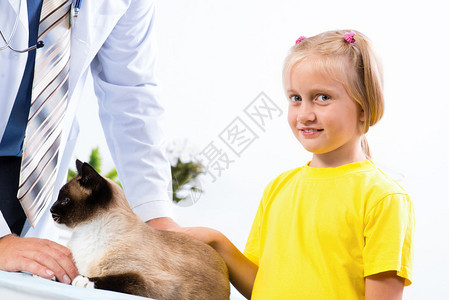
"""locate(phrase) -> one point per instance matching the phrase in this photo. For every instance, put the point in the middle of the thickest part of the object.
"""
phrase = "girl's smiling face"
(323, 117)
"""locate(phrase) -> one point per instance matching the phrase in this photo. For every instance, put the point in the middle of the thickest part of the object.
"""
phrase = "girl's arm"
(242, 271)
(384, 286)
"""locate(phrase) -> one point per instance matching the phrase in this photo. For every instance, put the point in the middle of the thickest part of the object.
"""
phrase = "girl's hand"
(206, 235)
(242, 271)
(163, 223)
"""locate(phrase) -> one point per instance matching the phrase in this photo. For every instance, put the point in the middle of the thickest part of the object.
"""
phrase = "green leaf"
(182, 173)
(95, 159)
(111, 174)
(71, 174)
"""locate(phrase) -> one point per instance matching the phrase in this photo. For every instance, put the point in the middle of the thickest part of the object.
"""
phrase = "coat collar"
(13, 7)
(9, 10)
(96, 19)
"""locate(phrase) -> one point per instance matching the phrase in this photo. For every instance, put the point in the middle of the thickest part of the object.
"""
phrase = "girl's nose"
(305, 114)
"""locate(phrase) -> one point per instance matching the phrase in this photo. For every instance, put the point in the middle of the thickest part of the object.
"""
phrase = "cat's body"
(117, 251)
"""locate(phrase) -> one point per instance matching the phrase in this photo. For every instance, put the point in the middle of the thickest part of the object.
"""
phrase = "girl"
(337, 228)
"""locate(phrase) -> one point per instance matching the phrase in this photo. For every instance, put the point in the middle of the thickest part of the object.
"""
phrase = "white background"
(215, 57)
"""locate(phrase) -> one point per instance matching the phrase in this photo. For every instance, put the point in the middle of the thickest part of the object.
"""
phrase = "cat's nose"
(54, 209)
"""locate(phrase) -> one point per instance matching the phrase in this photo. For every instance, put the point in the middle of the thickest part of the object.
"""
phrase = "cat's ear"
(89, 177)
(79, 167)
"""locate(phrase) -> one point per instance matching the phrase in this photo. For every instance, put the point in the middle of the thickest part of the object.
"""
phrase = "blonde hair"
(332, 54)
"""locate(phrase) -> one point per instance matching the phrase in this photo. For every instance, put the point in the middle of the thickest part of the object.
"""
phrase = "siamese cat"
(117, 251)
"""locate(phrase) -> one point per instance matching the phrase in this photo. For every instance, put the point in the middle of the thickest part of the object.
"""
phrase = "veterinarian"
(47, 48)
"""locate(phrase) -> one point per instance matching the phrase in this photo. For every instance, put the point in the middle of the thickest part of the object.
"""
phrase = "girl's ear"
(362, 116)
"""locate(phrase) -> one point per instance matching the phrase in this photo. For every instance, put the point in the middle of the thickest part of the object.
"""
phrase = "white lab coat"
(116, 39)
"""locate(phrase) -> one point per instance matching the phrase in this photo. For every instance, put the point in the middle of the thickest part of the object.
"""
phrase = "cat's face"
(82, 198)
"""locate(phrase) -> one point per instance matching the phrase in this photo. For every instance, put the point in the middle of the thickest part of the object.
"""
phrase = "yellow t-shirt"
(319, 232)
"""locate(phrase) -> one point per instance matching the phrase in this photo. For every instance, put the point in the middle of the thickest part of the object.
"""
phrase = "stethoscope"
(38, 45)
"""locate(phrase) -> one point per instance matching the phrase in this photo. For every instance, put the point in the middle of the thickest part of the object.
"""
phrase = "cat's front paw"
(83, 281)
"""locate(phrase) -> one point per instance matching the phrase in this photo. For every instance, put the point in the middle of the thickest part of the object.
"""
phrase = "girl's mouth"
(309, 132)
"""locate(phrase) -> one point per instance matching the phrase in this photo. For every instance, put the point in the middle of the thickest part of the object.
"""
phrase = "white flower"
(181, 149)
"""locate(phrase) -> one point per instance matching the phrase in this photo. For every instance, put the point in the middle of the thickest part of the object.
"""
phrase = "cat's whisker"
(56, 217)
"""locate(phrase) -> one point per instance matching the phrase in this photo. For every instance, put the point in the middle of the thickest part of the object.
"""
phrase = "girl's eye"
(295, 98)
(323, 98)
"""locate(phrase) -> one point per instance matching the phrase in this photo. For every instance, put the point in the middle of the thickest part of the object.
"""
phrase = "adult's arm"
(130, 110)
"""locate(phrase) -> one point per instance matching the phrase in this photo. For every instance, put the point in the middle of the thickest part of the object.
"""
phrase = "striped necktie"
(48, 105)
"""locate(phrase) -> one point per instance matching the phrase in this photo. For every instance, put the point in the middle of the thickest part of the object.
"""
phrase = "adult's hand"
(37, 256)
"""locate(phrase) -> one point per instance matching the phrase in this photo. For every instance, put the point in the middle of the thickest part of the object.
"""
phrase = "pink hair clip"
(300, 39)
(349, 37)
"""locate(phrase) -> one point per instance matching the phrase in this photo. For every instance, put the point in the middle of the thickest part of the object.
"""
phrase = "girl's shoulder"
(286, 175)
(379, 179)
(381, 190)
(282, 179)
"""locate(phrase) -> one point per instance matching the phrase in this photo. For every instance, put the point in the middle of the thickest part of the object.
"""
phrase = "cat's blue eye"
(65, 201)
(323, 98)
